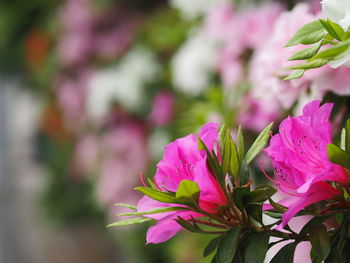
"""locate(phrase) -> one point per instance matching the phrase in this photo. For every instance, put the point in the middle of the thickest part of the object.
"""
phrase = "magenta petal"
(162, 231)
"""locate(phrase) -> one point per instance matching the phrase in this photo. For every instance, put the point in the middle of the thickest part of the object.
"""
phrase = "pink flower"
(162, 109)
(300, 159)
(183, 160)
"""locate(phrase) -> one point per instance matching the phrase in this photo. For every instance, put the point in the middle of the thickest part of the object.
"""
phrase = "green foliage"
(259, 144)
(212, 246)
(320, 32)
(257, 248)
(131, 221)
(286, 254)
(228, 245)
(338, 156)
(188, 191)
(320, 241)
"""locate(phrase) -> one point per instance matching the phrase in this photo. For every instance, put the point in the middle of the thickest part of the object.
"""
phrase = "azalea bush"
(205, 183)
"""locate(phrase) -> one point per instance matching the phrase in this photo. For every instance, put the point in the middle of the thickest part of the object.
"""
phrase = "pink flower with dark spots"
(183, 160)
(300, 159)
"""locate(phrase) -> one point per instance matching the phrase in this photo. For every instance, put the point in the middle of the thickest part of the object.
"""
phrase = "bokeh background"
(92, 90)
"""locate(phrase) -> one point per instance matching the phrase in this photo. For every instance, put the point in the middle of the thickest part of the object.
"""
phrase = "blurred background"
(92, 90)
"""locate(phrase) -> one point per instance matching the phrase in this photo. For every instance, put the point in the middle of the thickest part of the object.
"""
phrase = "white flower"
(122, 83)
(338, 11)
(194, 63)
(191, 9)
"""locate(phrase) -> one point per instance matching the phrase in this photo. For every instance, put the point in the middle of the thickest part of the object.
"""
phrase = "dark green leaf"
(240, 143)
(131, 221)
(228, 245)
(259, 144)
(244, 174)
(255, 211)
(286, 254)
(320, 241)
(347, 136)
(317, 220)
(308, 34)
(257, 248)
(306, 53)
(211, 247)
(188, 226)
(278, 207)
(239, 193)
(338, 156)
(261, 193)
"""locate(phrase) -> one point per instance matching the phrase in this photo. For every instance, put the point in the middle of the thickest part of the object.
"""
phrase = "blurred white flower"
(194, 63)
(191, 9)
(338, 11)
(122, 83)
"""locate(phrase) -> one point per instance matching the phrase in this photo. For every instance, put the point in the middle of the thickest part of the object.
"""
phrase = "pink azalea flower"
(162, 109)
(184, 161)
(300, 159)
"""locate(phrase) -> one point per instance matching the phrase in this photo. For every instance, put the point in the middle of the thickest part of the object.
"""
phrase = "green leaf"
(308, 34)
(188, 191)
(230, 158)
(297, 74)
(188, 226)
(155, 211)
(286, 254)
(334, 52)
(306, 53)
(338, 156)
(261, 193)
(343, 140)
(228, 245)
(278, 207)
(244, 174)
(347, 141)
(157, 195)
(317, 220)
(259, 144)
(320, 241)
(255, 211)
(238, 195)
(131, 221)
(257, 248)
(240, 143)
(333, 29)
(310, 65)
(212, 246)
(126, 205)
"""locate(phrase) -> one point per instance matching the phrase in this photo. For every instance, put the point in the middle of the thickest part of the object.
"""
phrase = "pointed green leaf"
(338, 156)
(261, 193)
(320, 241)
(317, 220)
(306, 53)
(257, 248)
(228, 245)
(333, 29)
(308, 34)
(126, 205)
(297, 74)
(278, 207)
(255, 211)
(343, 140)
(155, 211)
(244, 174)
(317, 63)
(347, 136)
(259, 144)
(240, 143)
(212, 246)
(188, 226)
(286, 254)
(188, 191)
(334, 52)
(239, 194)
(131, 221)
(157, 195)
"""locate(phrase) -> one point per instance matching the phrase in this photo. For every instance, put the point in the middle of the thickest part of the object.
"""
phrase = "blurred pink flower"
(76, 15)
(162, 109)
(269, 62)
(124, 155)
(300, 159)
(86, 154)
(256, 115)
(184, 161)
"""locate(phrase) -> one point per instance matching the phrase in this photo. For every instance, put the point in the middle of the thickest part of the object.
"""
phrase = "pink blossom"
(123, 156)
(162, 109)
(183, 160)
(86, 154)
(300, 159)
(269, 62)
